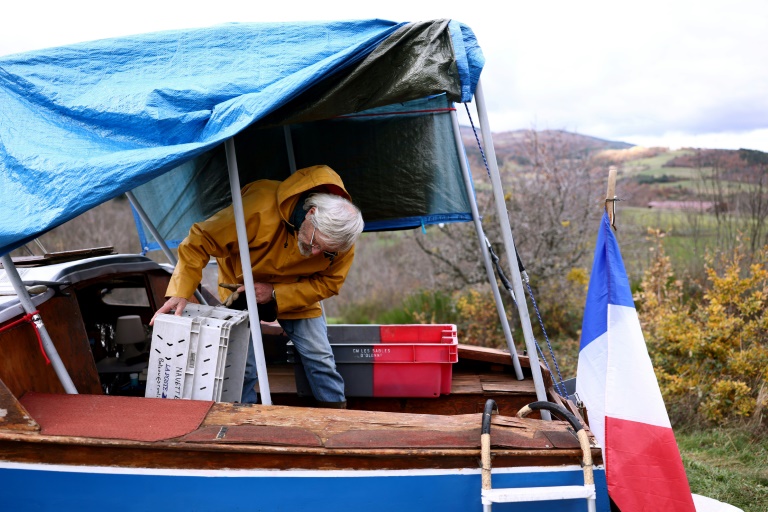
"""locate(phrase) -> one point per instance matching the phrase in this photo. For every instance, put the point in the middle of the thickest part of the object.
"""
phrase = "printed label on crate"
(368, 353)
(169, 380)
(169, 356)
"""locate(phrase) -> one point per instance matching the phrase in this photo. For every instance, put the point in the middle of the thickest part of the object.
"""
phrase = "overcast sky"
(654, 73)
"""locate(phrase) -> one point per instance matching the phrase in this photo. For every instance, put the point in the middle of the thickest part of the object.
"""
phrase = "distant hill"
(645, 174)
(511, 145)
(515, 138)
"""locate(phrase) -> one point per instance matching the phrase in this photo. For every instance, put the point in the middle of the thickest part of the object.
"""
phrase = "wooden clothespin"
(610, 197)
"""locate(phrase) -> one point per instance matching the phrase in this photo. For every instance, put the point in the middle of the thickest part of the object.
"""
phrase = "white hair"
(340, 221)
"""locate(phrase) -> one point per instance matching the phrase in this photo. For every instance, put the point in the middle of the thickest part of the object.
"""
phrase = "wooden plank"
(465, 403)
(493, 384)
(405, 439)
(13, 416)
(326, 422)
(562, 439)
(23, 367)
(490, 355)
(466, 383)
(234, 456)
(568, 404)
(281, 379)
(61, 257)
(254, 434)
(329, 423)
(282, 384)
(250, 425)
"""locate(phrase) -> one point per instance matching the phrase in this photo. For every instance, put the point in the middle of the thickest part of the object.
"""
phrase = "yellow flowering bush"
(710, 355)
(478, 320)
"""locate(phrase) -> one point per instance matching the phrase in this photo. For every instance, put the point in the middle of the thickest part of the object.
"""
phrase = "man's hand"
(174, 303)
(235, 289)
(263, 292)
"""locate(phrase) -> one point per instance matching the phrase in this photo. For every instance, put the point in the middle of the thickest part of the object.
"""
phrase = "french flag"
(616, 382)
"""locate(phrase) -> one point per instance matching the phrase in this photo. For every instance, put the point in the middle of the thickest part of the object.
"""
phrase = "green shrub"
(710, 356)
(421, 307)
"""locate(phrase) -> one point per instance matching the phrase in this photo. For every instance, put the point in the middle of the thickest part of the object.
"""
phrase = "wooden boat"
(78, 433)
(384, 452)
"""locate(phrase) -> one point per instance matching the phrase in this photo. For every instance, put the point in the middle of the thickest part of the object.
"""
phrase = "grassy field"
(654, 166)
(687, 236)
(727, 465)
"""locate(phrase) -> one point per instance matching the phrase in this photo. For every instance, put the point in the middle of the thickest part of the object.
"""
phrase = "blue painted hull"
(28, 487)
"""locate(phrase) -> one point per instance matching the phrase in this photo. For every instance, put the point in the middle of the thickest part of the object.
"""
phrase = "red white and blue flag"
(617, 384)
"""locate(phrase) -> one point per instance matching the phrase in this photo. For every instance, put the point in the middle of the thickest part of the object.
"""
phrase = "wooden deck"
(279, 437)
(376, 433)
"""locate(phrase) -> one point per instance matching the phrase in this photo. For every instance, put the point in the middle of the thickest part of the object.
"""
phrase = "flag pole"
(610, 196)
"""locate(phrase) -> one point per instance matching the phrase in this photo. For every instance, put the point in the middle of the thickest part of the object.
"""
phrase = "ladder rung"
(522, 494)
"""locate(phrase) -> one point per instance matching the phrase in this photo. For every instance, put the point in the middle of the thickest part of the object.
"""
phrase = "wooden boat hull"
(384, 453)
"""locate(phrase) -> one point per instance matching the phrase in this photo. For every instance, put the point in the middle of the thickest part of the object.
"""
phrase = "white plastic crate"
(199, 355)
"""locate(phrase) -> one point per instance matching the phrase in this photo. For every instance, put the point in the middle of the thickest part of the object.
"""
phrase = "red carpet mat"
(115, 417)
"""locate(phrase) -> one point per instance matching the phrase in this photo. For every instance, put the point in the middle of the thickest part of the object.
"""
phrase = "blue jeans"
(310, 339)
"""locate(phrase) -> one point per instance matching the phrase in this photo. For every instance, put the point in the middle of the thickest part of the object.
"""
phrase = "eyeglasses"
(313, 245)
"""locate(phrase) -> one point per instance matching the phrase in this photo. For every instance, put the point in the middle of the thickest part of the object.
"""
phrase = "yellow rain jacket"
(300, 282)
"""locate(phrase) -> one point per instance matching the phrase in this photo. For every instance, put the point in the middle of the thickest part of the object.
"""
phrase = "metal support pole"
(245, 261)
(483, 247)
(48, 346)
(289, 147)
(509, 247)
(40, 245)
(158, 237)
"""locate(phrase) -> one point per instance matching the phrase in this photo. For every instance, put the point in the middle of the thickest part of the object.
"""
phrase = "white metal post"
(48, 346)
(509, 247)
(483, 247)
(158, 237)
(245, 261)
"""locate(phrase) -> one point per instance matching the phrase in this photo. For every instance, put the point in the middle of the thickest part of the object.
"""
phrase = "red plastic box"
(413, 360)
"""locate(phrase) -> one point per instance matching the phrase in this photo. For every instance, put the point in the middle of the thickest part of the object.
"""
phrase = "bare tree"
(755, 199)
(553, 202)
(736, 186)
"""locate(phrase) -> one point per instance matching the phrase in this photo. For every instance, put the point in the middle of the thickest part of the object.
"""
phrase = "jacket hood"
(318, 178)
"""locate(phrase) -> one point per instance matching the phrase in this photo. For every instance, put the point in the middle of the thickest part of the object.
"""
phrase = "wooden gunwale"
(174, 455)
(17, 446)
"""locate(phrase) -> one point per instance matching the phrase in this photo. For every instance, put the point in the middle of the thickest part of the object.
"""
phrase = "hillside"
(646, 176)
(510, 146)
(509, 141)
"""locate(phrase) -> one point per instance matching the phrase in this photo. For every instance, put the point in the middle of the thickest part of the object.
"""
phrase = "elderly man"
(301, 235)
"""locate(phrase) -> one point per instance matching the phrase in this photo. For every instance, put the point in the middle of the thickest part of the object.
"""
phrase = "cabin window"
(125, 297)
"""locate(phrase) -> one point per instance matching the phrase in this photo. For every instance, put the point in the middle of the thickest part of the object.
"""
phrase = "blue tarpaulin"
(82, 124)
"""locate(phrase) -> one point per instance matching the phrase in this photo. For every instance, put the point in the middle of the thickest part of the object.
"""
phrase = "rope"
(563, 391)
(559, 386)
(479, 145)
(29, 318)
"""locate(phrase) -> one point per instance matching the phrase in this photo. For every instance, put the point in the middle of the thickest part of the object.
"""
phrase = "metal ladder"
(489, 495)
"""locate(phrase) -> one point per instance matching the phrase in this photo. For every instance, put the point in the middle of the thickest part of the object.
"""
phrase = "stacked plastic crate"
(411, 360)
(199, 355)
